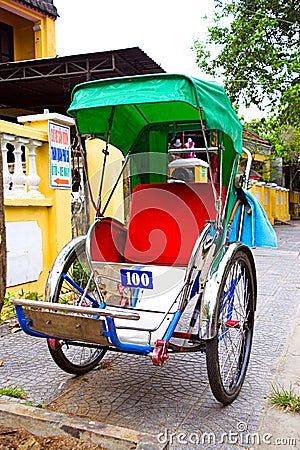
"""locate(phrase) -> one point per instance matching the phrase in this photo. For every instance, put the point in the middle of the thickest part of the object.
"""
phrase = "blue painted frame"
(110, 333)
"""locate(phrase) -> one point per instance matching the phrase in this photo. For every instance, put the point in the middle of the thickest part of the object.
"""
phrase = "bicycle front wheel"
(227, 355)
(75, 357)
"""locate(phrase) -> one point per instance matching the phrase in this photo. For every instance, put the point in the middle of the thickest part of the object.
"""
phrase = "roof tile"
(45, 6)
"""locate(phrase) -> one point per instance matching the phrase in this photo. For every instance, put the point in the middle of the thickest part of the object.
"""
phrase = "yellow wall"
(52, 213)
(44, 40)
(113, 166)
(20, 212)
(29, 44)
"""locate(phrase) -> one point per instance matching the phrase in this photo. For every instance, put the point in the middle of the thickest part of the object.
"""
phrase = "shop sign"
(60, 156)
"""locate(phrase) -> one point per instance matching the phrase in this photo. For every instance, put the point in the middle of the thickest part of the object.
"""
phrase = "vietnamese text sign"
(60, 156)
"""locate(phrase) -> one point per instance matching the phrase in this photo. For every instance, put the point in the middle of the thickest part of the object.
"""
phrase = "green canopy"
(125, 108)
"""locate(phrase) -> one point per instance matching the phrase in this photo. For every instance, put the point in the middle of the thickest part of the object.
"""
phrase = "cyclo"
(167, 273)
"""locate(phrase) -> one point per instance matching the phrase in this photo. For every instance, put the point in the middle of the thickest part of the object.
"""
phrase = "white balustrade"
(33, 180)
(18, 177)
(17, 184)
(6, 139)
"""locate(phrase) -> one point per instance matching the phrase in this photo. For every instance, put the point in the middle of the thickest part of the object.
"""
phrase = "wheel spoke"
(233, 308)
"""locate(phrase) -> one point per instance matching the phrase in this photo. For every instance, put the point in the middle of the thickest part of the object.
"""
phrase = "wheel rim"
(235, 326)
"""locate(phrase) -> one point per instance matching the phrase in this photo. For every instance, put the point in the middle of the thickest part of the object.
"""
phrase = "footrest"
(74, 323)
(66, 326)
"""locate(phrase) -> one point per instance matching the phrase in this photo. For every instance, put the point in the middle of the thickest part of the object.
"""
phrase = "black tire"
(75, 357)
(227, 355)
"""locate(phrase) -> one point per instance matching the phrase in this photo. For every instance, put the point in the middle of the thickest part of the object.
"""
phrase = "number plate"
(136, 279)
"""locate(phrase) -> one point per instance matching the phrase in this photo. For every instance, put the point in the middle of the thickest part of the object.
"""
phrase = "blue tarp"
(257, 230)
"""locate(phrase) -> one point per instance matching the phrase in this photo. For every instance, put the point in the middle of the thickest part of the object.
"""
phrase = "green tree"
(284, 138)
(254, 46)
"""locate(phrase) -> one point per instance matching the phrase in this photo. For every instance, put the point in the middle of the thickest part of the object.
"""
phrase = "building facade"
(27, 29)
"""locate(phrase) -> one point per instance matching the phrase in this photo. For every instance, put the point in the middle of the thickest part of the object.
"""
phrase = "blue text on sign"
(60, 154)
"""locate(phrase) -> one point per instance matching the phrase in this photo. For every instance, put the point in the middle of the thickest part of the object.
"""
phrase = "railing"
(17, 182)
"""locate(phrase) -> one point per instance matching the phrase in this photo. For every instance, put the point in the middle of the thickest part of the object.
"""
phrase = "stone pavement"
(175, 402)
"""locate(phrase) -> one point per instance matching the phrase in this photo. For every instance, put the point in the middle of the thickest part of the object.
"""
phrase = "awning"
(29, 87)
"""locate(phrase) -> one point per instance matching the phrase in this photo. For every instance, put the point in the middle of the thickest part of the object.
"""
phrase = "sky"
(164, 29)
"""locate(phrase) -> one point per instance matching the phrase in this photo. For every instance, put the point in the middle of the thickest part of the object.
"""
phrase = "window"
(6, 43)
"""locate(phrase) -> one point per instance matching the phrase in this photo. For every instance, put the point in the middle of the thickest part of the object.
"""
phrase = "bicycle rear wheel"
(227, 355)
(75, 357)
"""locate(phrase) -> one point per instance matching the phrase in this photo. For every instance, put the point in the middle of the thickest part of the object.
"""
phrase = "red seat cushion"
(165, 221)
(107, 240)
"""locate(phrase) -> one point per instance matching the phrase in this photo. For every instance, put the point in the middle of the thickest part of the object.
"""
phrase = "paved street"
(175, 398)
